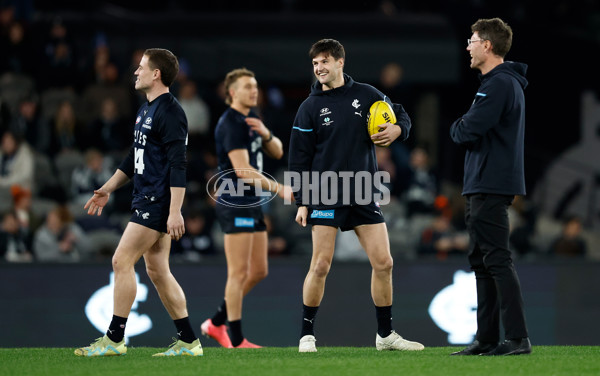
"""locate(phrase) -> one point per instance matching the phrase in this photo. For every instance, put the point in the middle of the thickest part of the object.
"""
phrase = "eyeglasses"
(471, 41)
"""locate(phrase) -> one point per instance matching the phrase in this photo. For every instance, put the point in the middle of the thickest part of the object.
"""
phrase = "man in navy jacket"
(493, 131)
(330, 140)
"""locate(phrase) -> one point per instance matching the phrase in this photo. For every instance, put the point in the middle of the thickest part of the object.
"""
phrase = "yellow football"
(380, 113)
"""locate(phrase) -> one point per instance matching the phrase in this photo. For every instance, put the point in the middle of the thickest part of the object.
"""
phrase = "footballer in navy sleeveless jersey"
(232, 133)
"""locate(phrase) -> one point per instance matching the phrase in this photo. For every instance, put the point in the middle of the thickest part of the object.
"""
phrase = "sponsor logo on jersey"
(244, 222)
(148, 121)
(325, 111)
(325, 214)
(327, 121)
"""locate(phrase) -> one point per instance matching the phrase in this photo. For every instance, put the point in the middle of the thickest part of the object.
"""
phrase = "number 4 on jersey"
(138, 165)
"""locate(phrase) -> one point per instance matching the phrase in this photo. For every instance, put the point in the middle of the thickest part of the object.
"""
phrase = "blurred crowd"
(66, 122)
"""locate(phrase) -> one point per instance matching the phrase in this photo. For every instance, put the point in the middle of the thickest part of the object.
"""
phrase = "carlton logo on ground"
(454, 308)
(241, 188)
(99, 309)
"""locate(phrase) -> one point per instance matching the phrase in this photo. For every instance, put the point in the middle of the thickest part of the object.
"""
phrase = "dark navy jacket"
(493, 132)
(330, 134)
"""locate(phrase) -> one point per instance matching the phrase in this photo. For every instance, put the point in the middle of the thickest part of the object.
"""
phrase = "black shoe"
(512, 347)
(477, 348)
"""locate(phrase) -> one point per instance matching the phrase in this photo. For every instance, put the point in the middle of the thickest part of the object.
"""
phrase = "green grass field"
(363, 361)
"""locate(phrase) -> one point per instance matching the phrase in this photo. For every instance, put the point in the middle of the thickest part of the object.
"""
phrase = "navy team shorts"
(153, 215)
(346, 217)
(235, 220)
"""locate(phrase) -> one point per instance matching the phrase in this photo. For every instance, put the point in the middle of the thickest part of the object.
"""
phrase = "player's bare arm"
(175, 224)
(271, 145)
(301, 215)
(102, 194)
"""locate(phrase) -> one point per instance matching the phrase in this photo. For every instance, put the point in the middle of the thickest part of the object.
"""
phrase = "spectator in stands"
(7, 16)
(60, 239)
(196, 111)
(441, 240)
(67, 133)
(26, 123)
(108, 86)
(5, 116)
(101, 60)
(570, 243)
(59, 65)
(29, 222)
(386, 163)
(216, 102)
(522, 219)
(422, 189)
(86, 178)
(16, 162)
(391, 82)
(197, 240)
(13, 242)
(199, 171)
(18, 52)
(110, 132)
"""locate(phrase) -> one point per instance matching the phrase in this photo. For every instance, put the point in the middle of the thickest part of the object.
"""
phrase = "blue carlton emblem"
(326, 214)
(244, 222)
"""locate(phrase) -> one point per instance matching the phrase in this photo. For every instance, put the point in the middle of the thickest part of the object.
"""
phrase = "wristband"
(270, 137)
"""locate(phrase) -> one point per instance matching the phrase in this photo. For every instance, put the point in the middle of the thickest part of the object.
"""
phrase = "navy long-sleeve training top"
(493, 132)
(330, 134)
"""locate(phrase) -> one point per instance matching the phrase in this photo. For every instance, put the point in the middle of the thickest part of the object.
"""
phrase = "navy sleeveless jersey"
(157, 124)
(232, 133)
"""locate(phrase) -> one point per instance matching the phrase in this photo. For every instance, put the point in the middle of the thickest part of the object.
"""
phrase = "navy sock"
(308, 320)
(384, 320)
(184, 330)
(235, 328)
(221, 316)
(116, 329)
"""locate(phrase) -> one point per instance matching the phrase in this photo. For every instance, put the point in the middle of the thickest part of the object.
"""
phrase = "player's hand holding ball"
(380, 124)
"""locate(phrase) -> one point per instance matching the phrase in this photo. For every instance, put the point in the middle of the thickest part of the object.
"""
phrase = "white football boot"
(395, 342)
(307, 344)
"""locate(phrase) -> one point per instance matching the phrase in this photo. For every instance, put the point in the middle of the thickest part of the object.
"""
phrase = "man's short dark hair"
(496, 31)
(330, 47)
(165, 62)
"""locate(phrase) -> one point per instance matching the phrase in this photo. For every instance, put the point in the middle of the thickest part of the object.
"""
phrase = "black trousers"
(498, 288)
